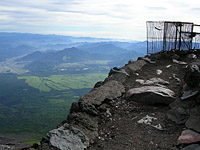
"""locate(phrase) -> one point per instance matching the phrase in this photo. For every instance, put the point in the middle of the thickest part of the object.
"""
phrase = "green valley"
(42, 75)
(32, 104)
(63, 82)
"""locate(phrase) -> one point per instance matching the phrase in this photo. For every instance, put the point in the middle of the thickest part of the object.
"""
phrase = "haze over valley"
(41, 75)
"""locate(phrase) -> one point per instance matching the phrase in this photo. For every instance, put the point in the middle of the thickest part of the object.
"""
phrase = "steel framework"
(167, 35)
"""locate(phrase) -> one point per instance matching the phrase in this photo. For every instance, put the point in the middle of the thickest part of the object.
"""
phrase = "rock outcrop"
(110, 90)
(151, 95)
(115, 106)
(76, 139)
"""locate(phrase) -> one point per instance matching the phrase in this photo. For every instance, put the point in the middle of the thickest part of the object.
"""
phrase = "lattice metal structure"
(167, 35)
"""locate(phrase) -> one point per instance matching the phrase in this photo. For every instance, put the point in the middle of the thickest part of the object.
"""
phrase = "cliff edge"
(152, 103)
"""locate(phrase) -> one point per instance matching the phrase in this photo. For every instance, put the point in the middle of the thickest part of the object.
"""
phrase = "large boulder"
(188, 137)
(110, 90)
(151, 95)
(68, 138)
(194, 120)
(133, 67)
(192, 76)
(85, 122)
(178, 114)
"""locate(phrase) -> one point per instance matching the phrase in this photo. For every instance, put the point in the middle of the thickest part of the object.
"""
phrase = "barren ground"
(121, 130)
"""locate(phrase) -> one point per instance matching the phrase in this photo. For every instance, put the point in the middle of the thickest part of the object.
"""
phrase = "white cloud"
(113, 18)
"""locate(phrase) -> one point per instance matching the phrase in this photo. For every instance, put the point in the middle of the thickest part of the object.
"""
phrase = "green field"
(63, 82)
(31, 104)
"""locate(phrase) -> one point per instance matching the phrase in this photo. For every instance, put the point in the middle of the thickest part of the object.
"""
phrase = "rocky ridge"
(152, 103)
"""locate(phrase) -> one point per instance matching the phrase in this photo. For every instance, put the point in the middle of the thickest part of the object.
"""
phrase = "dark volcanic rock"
(81, 106)
(178, 115)
(133, 67)
(189, 93)
(84, 122)
(98, 84)
(192, 147)
(117, 70)
(110, 90)
(119, 77)
(151, 95)
(192, 76)
(194, 120)
(66, 138)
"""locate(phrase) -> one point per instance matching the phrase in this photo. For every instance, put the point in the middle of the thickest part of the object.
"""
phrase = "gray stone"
(192, 56)
(153, 81)
(188, 137)
(119, 77)
(110, 90)
(140, 81)
(158, 72)
(117, 70)
(133, 67)
(68, 138)
(189, 94)
(147, 60)
(179, 62)
(168, 66)
(192, 147)
(194, 120)
(85, 122)
(151, 95)
(192, 76)
(178, 114)
(88, 108)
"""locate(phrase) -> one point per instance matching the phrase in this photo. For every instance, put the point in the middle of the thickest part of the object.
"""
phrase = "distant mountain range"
(27, 38)
(102, 48)
(44, 53)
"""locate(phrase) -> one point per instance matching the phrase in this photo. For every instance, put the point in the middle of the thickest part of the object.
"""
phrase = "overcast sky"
(123, 19)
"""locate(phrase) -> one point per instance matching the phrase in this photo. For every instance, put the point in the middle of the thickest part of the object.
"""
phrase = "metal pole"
(180, 37)
(176, 35)
(164, 36)
(192, 36)
(147, 38)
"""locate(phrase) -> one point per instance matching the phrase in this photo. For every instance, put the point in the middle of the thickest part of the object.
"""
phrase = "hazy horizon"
(115, 19)
(76, 36)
